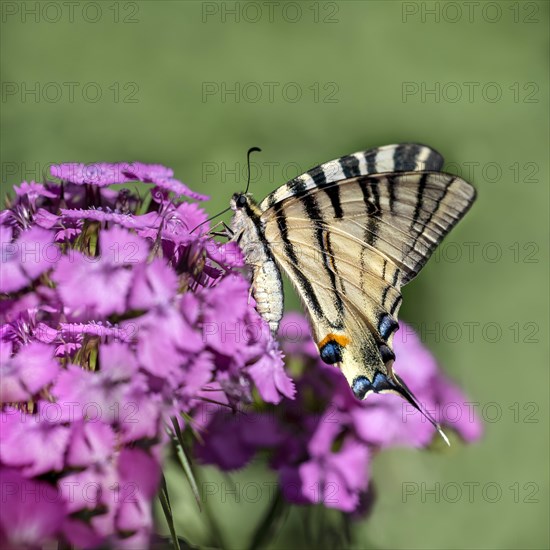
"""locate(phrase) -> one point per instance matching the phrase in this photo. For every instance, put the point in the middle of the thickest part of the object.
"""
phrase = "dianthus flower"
(116, 318)
(125, 324)
(321, 443)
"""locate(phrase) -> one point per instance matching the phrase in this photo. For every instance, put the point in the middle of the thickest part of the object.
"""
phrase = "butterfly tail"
(401, 388)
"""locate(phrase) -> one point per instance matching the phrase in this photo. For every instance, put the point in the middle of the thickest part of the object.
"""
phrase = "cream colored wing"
(399, 157)
(349, 247)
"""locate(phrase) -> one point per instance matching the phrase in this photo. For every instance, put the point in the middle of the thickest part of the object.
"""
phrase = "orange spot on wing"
(341, 339)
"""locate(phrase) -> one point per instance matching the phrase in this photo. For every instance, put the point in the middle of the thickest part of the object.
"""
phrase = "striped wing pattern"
(403, 157)
(349, 245)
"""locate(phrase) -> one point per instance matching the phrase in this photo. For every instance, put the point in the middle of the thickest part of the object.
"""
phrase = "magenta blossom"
(19, 528)
(126, 327)
(321, 443)
(113, 324)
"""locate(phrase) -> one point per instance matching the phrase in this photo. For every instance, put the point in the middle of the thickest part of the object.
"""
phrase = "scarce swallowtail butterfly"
(349, 234)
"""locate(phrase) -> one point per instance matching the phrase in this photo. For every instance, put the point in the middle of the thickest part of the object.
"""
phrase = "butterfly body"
(267, 286)
(349, 234)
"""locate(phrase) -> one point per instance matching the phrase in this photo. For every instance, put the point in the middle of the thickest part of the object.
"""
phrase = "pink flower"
(121, 324)
(30, 457)
(270, 377)
(19, 528)
(325, 437)
(23, 375)
(107, 278)
(24, 259)
(105, 338)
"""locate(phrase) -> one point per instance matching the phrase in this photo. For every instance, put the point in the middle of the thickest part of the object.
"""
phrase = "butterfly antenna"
(211, 218)
(404, 391)
(251, 150)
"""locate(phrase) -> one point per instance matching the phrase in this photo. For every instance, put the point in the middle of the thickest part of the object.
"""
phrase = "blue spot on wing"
(386, 353)
(361, 385)
(331, 353)
(381, 382)
(387, 326)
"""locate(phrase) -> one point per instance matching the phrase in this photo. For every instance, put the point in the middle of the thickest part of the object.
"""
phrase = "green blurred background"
(194, 85)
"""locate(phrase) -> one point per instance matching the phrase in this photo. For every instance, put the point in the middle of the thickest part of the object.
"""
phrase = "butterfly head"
(243, 205)
(239, 201)
(242, 201)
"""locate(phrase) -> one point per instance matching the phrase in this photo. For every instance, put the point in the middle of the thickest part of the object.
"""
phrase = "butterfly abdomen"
(266, 283)
(268, 293)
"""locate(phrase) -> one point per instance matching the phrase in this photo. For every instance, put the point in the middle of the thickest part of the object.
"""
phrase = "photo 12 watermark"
(489, 252)
(469, 92)
(69, 92)
(270, 12)
(236, 173)
(453, 413)
(471, 331)
(470, 492)
(70, 489)
(252, 492)
(269, 92)
(69, 11)
(470, 12)
(495, 172)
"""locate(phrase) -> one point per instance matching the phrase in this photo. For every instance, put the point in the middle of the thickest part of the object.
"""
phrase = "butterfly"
(349, 234)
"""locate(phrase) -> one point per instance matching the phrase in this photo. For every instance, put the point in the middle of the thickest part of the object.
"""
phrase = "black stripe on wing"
(303, 283)
(403, 157)
(413, 156)
(405, 217)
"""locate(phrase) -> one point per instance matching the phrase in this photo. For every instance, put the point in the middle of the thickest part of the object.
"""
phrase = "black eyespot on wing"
(387, 326)
(386, 353)
(331, 352)
(381, 382)
(360, 386)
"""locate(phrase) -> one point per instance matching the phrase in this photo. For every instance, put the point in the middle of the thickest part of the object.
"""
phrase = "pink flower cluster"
(120, 318)
(321, 442)
(116, 316)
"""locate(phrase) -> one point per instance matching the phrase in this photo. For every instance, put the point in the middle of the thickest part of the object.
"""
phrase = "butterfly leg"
(227, 232)
(212, 232)
(228, 229)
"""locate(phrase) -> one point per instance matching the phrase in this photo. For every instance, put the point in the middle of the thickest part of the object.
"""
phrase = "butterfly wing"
(402, 157)
(349, 246)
